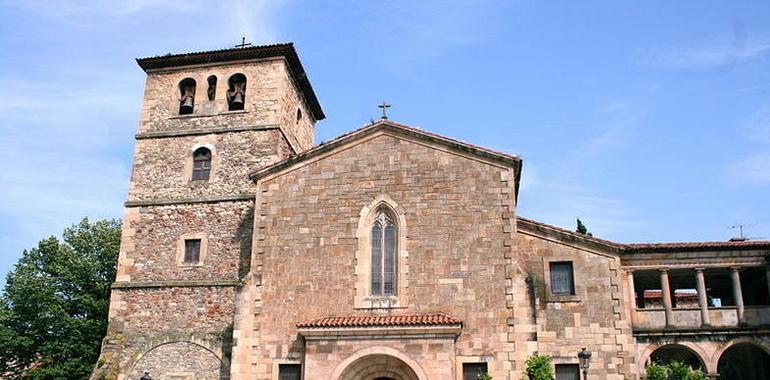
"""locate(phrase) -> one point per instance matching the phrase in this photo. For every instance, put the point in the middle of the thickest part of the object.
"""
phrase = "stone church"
(388, 253)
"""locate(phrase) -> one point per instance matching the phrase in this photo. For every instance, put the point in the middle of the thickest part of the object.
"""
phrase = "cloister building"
(251, 252)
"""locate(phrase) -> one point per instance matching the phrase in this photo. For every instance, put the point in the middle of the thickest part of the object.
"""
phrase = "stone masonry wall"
(594, 318)
(159, 231)
(302, 130)
(306, 244)
(264, 89)
(163, 166)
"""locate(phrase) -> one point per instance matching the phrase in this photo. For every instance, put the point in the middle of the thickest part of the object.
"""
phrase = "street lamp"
(146, 376)
(585, 361)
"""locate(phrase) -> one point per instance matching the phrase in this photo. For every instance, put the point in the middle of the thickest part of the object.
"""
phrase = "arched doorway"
(677, 353)
(378, 367)
(744, 361)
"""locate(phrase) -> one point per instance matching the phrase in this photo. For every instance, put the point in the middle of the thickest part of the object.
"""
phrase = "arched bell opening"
(236, 92)
(187, 96)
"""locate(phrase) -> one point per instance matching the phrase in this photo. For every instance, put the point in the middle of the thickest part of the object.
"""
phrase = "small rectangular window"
(471, 371)
(562, 278)
(192, 251)
(567, 372)
(289, 372)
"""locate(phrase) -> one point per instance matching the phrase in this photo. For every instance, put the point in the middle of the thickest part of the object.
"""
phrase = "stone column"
(737, 293)
(631, 295)
(702, 299)
(767, 277)
(665, 292)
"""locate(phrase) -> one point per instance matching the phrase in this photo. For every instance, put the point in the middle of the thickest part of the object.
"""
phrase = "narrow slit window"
(201, 164)
(192, 251)
(562, 278)
(212, 90)
(384, 241)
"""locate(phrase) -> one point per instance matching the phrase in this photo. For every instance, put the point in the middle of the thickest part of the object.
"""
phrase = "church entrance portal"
(378, 367)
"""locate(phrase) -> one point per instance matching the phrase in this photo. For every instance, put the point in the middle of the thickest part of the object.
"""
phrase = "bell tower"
(208, 120)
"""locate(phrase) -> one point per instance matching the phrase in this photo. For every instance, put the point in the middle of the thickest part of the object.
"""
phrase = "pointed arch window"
(384, 249)
(201, 164)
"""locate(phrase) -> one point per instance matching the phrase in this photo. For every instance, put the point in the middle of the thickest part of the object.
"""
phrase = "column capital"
(663, 270)
(699, 269)
(735, 268)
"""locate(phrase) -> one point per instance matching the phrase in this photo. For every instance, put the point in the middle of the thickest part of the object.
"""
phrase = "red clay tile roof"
(697, 246)
(651, 247)
(437, 319)
(657, 294)
(236, 54)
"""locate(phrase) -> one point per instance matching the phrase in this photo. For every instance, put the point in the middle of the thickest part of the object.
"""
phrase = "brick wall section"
(197, 310)
(305, 244)
(158, 231)
(303, 130)
(595, 318)
(163, 166)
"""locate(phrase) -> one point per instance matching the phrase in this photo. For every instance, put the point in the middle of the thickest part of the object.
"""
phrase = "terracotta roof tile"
(659, 247)
(437, 319)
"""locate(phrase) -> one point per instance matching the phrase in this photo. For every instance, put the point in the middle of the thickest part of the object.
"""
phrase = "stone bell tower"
(208, 120)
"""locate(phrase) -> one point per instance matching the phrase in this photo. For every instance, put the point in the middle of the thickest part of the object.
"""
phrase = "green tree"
(539, 368)
(673, 371)
(53, 309)
(484, 376)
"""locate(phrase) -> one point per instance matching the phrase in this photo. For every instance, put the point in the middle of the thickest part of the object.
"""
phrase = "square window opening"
(562, 278)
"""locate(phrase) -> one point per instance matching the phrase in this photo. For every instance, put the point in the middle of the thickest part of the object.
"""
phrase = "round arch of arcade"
(207, 357)
(728, 357)
(686, 350)
(378, 362)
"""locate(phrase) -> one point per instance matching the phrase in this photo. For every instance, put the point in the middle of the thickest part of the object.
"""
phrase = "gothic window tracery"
(383, 250)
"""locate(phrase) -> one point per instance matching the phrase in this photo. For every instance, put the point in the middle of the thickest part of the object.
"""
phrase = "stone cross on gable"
(384, 107)
(243, 43)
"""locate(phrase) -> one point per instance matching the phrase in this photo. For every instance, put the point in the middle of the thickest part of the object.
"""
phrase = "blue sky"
(649, 121)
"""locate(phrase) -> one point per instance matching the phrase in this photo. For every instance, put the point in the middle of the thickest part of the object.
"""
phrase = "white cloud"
(720, 52)
(754, 169)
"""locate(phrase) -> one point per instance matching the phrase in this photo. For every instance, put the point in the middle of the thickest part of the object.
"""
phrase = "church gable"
(398, 131)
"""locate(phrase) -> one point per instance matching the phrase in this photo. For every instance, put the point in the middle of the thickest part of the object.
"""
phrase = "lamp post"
(146, 376)
(585, 361)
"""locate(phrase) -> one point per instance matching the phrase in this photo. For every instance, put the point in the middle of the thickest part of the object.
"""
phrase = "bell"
(237, 102)
(187, 105)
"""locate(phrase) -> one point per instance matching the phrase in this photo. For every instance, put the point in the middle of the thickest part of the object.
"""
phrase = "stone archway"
(378, 367)
(179, 360)
(676, 352)
(744, 361)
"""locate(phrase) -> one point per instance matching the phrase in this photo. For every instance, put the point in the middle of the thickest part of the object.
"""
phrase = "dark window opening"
(754, 286)
(383, 256)
(201, 164)
(187, 93)
(472, 371)
(567, 372)
(212, 91)
(562, 278)
(236, 92)
(192, 251)
(289, 372)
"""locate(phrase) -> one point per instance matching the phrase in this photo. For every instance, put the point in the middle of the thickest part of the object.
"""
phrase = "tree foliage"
(484, 376)
(539, 368)
(53, 310)
(673, 371)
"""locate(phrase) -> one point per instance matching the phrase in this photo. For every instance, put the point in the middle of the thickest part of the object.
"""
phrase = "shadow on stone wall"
(243, 237)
